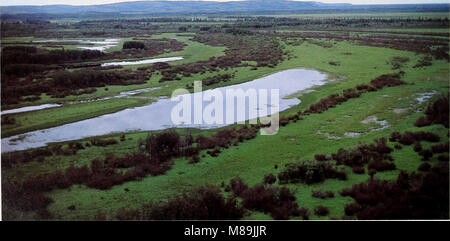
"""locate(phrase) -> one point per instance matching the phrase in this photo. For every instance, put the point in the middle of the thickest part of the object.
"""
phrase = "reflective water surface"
(157, 116)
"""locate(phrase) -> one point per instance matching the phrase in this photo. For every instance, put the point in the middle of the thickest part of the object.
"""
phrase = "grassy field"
(251, 160)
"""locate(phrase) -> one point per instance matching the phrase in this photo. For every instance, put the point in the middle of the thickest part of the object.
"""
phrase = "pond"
(157, 115)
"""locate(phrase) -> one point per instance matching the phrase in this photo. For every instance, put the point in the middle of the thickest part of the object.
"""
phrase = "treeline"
(83, 79)
(339, 22)
(32, 55)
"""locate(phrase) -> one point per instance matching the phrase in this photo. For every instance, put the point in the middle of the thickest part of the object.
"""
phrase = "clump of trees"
(280, 202)
(238, 186)
(409, 138)
(164, 145)
(309, 172)
(202, 203)
(102, 142)
(322, 194)
(225, 138)
(410, 196)
(436, 113)
(208, 203)
(376, 155)
(321, 210)
(133, 45)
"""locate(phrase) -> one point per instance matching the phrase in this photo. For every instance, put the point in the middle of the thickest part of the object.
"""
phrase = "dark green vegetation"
(367, 145)
(164, 8)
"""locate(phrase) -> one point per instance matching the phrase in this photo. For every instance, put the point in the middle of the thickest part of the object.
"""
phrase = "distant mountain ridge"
(158, 7)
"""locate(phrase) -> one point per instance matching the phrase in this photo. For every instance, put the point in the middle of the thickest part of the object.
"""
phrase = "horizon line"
(219, 1)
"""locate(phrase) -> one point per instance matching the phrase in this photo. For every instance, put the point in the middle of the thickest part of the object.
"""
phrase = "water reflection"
(157, 116)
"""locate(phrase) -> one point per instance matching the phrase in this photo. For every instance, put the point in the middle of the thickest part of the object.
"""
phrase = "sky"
(94, 2)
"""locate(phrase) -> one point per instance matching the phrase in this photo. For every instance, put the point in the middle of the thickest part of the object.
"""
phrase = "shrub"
(395, 136)
(321, 211)
(351, 209)
(409, 138)
(351, 93)
(309, 172)
(387, 80)
(417, 147)
(410, 196)
(324, 104)
(380, 166)
(321, 157)
(101, 142)
(424, 167)
(238, 186)
(422, 121)
(440, 148)
(363, 153)
(133, 45)
(358, 170)
(322, 194)
(436, 113)
(426, 154)
(164, 145)
(269, 179)
(443, 158)
(203, 203)
(217, 79)
(194, 159)
(78, 175)
(205, 142)
(279, 202)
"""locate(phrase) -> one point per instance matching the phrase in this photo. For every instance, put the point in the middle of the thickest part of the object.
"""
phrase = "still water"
(157, 115)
